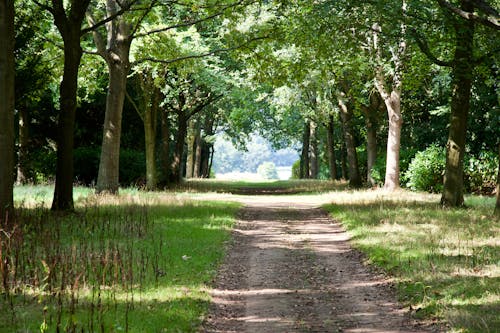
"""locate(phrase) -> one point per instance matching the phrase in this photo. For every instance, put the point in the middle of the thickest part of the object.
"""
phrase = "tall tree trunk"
(343, 160)
(191, 138)
(370, 113)
(462, 72)
(176, 168)
(197, 152)
(304, 156)
(23, 169)
(165, 147)
(392, 101)
(314, 159)
(150, 129)
(330, 139)
(393, 104)
(352, 156)
(109, 164)
(63, 193)
(69, 26)
(207, 147)
(6, 109)
(115, 50)
(497, 206)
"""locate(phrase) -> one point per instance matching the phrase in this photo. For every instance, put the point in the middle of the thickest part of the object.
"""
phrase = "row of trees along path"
(261, 41)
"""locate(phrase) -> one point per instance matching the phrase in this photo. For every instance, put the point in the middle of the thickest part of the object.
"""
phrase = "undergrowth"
(118, 264)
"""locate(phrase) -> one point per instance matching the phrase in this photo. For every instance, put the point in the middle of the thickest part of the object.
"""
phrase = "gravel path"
(290, 268)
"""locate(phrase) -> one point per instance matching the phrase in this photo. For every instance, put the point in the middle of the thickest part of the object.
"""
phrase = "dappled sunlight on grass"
(137, 262)
(445, 260)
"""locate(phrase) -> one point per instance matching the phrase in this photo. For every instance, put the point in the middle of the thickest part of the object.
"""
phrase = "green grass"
(136, 263)
(301, 186)
(446, 262)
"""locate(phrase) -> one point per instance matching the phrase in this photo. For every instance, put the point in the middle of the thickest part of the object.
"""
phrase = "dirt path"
(291, 269)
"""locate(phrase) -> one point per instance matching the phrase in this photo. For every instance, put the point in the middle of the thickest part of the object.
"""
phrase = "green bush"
(296, 170)
(132, 167)
(267, 170)
(86, 164)
(43, 165)
(480, 172)
(378, 170)
(425, 172)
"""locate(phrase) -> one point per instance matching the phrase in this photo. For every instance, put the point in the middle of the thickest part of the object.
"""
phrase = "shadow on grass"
(445, 260)
(145, 265)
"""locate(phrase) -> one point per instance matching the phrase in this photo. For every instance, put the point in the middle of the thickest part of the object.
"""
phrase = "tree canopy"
(113, 93)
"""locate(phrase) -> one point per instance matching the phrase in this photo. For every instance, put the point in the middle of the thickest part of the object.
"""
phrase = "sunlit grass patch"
(135, 262)
(446, 261)
(302, 186)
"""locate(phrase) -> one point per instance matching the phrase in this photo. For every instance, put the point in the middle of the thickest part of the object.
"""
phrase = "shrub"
(378, 170)
(296, 170)
(86, 164)
(480, 172)
(132, 166)
(267, 170)
(425, 172)
(43, 165)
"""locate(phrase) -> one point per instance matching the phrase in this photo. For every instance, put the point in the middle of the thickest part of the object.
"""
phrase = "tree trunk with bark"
(343, 160)
(207, 147)
(314, 157)
(115, 50)
(180, 140)
(352, 156)
(7, 73)
(63, 193)
(371, 120)
(197, 152)
(165, 162)
(23, 163)
(191, 138)
(330, 139)
(150, 120)
(497, 206)
(391, 95)
(462, 72)
(304, 156)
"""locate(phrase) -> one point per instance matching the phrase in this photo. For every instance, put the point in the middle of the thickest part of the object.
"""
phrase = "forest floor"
(290, 268)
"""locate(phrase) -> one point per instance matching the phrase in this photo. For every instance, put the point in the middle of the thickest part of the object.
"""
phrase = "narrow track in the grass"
(290, 268)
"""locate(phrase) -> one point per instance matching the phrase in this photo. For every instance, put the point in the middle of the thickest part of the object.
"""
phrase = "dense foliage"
(356, 88)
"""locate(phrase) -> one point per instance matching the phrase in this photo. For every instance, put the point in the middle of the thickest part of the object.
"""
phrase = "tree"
(464, 21)
(346, 115)
(148, 108)
(114, 48)
(69, 23)
(6, 109)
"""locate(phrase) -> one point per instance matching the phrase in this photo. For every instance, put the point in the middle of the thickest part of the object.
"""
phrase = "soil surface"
(290, 268)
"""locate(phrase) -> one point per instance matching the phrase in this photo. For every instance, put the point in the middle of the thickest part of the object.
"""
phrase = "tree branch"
(492, 21)
(109, 18)
(44, 7)
(143, 16)
(201, 106)
(201, 55)
(190, 23)
(424, 47)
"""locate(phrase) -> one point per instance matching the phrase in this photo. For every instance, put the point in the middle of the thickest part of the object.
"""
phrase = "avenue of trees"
(117, 92)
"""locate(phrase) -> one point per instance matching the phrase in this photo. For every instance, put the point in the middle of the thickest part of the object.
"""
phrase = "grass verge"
(133, 263)
(446, 262)
(299, 186)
